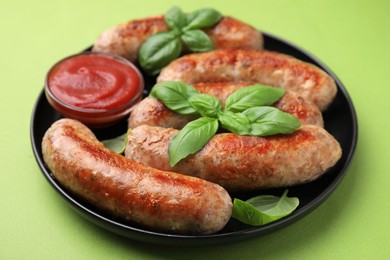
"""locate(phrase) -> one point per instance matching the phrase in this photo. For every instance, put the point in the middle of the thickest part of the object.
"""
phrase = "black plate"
(340, 120)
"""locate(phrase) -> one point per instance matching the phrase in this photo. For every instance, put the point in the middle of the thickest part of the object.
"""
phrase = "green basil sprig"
(259, 121)
(247, 112)
(161, 48)
(263, 209)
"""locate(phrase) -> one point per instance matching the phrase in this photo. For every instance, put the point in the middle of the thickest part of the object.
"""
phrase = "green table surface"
(351, 37)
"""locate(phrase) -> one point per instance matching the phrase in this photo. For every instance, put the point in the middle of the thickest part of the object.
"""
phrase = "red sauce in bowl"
(94, 88)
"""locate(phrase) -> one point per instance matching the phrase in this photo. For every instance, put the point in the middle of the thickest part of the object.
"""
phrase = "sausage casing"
(264, 67)
(240, 163)
(126, 39)
(151, 111)
(162, 201)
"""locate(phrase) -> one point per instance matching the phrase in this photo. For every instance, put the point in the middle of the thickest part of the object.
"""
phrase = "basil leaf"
(256, 95)
(259, 121)
(246, 213)
(202, 18)
(206, 105)
(175, 19)
(175, 96)
(191, 138)
(273, 206)
(235, 122)
(263, 209)
(117, 144)
(197, 41)
(270, 121)
(158, 51)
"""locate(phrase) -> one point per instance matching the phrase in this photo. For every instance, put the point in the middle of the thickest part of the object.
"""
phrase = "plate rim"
(218, 238)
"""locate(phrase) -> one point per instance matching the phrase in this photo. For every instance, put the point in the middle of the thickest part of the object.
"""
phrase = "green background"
(351, 37)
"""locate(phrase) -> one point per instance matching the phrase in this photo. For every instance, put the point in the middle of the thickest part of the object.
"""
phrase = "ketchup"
(94, 88)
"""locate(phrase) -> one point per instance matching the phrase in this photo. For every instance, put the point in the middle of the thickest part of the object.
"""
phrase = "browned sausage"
(243, 162)
(149, 197)
(126, 39)
(152, 112)
(265, 67)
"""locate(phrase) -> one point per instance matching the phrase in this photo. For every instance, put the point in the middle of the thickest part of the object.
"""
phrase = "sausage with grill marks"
(264, 67)
(151, 111)
(242, 163)
(159, 200)
(126, 39)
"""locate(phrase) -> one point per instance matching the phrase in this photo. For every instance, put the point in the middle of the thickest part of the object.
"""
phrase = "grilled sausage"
(151, 111)
(126, 39)
(243, 162)
(149, 197)
(265, 67)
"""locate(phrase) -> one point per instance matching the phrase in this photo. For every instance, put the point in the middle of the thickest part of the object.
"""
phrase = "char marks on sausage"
(126, 39)
(152, 112)
(241, 163)
(159, 200)
(264, 67)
